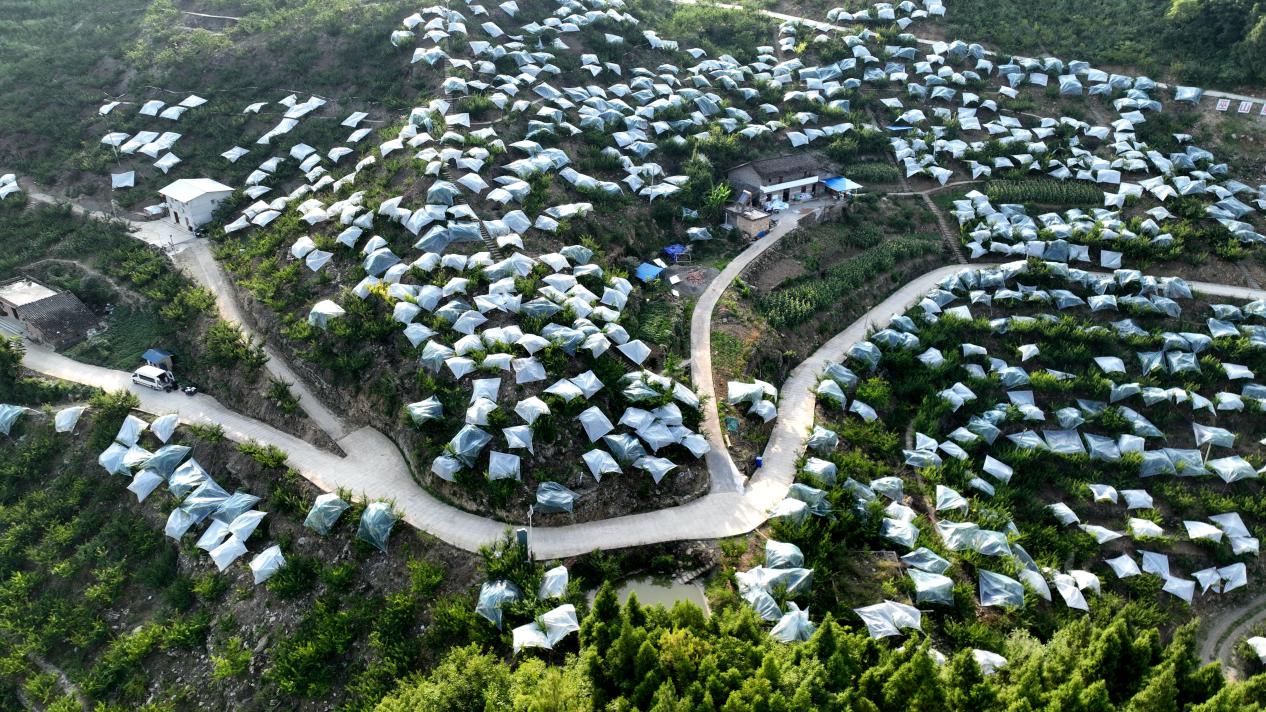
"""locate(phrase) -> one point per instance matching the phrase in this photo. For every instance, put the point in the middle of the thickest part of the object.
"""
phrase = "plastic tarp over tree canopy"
(375, 524)
(67, 418)
(932, 588)
(552, 627)
(889, 618)
(266, 563)
(554, 497)
(326, 510)
(999, 590)
(781, 555)
(794, 626)
(323, 311)
(9, 416)
(553, 583)
(492, 596)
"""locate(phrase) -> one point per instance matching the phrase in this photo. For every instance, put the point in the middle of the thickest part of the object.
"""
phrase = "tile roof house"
(48, 316)
(778, 178)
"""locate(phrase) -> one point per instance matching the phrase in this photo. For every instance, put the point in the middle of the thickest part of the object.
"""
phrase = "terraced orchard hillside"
(105, 608)
(1034, 440)
(478, 238)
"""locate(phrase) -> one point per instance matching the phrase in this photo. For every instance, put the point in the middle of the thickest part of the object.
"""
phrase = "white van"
(154, 377)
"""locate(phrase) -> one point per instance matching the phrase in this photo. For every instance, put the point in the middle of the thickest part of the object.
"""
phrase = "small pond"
(655, 591)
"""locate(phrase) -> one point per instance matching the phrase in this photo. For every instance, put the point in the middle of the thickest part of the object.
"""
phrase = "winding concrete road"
(1221, 635)
(725, 475)
(374, 468)
(194, 258)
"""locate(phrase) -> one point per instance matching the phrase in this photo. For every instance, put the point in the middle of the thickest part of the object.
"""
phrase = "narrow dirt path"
(126, 293)
(949, 237)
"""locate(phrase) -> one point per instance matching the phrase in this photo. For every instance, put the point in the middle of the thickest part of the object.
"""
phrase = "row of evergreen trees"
(643, 658)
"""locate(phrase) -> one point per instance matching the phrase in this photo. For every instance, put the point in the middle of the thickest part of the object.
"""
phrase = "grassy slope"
(136, 49)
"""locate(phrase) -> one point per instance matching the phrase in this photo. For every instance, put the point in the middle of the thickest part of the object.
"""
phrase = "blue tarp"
(675, 251)
(155, 357)
(840, 184)
(648, 272)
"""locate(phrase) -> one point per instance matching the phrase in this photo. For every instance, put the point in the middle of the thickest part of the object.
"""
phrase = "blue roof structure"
(840, 184)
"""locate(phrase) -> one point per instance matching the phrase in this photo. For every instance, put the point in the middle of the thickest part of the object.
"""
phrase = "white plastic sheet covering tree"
(213, 536)
(889, 618)
(323, 311)
(165, 460)
(266, 563)
(228, 552)
(552, 627)
(425, 410)
(600, 463)
(554, 497)
(794, 625)
(932, 588)
(988, 662)
(927, 560)
(503, 466)
(130, 431)
(657, 467)
(468, 442)
(492, 596)
(178, 522)
(999, 590)
(553, 583)
(1181, 588)
(595, 423)
(782, 555)
(144, 483)
(164, 427)
(792, 581)
(244, 524)
(375, 524)
(67, 418)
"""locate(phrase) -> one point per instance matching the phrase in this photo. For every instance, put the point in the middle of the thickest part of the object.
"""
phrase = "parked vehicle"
(154, 377)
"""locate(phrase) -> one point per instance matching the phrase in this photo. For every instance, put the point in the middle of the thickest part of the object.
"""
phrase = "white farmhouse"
(192, 201)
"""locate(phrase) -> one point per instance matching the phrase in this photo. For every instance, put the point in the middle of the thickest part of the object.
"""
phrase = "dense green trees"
(1218, 41)
(667, 660)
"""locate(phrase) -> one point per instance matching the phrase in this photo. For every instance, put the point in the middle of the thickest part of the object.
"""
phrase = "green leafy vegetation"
(867, 173)
(797, 301)
(1042, 192)
(1205, 42)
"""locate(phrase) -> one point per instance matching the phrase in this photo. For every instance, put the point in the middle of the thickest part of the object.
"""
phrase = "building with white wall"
(778, 179)
(192, 201)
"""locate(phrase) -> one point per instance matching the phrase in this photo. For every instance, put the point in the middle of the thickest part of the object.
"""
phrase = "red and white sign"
(1223, 104)
(1245, 107)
